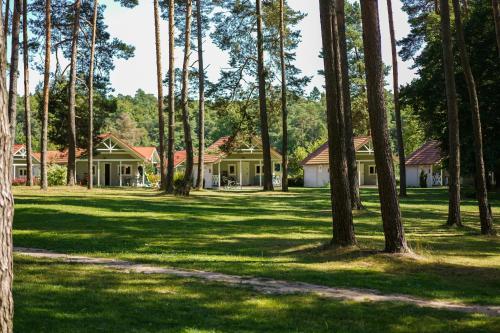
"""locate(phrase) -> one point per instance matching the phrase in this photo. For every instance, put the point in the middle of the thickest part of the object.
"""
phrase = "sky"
(136, 27)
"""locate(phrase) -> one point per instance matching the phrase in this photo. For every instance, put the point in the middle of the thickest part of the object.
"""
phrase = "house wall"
(368, 179)
(20, 164)
(248, 165)
(207, 175)
(413, 175)
(134, 178)
(316, 175)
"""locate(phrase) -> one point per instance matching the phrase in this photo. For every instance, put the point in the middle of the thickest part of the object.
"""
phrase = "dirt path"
(268, 286)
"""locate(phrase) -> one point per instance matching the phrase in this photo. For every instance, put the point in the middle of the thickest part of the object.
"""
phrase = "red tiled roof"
(321, 156)
(179, 157)
(146, 152)
(428, 154)
(58, 156)
(16, 148)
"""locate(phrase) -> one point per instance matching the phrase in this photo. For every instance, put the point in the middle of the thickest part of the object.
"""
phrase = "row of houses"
(228, 160)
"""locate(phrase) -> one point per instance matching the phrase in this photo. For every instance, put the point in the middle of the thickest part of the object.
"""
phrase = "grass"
(271, 235)
(54, 297)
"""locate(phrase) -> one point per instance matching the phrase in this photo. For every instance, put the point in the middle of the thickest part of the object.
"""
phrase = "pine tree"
(27, 106)
(90, 139)
(389, 203)
(46, 91)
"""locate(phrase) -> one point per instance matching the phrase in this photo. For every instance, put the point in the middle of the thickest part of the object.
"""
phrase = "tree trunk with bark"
(6, 22)
(496, 16)
(264, 127)
(284, 107)
(159, 82)
(27, 106)
(343, 228)
(90, 182)
(481, 187)
(188, 140)
(171, 99)
(346, 93)
(389, 203)
(71, 181)
(6, 202)
(14, 64)
(46, 90)
(201, 100)
(397, 106)
(454, 216)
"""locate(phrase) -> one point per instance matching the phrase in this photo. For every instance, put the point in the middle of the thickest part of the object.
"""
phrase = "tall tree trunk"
(481, 187)
(27, 106)
(397, 106)
(6, 202)
(14, 64)
(201, 100)
(188, 141)
(90, 172)
(6, 22)
(284, 107)
(391, 215)
(159, 82)
(264, 127)
(46, 90)
(72, 97)
(346, 93)
(171, 99)
(343, 228)
(454, 216)
(496, 16)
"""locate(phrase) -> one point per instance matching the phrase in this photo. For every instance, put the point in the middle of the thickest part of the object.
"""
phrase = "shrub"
(19, 181)
(153, 179)
(56, 175)
(297, 181)
(423, 179)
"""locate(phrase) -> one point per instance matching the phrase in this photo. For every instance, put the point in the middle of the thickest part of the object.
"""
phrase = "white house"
(317, 170)
(20, 165)
(425, 161)
(237, 161)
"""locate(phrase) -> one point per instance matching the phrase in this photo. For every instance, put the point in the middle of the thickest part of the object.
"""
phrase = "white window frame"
(370, 170)
(23, 172)
(259, 167)
(123, 171)
(229, 169)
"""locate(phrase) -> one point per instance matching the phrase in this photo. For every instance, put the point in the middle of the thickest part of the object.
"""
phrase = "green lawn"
(272, 235)
(54, 297)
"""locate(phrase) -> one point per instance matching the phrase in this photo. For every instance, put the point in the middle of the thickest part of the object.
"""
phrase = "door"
(107, 174)
(245, 168)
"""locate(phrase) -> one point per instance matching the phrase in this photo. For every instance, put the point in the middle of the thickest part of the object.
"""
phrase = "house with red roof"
(317, 169)
(425, 162)
(234, 161)
(116, 162)
(20, 165)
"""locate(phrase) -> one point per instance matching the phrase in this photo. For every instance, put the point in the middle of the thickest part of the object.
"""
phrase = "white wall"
(316, 175)
(413, 175)
(207, 174)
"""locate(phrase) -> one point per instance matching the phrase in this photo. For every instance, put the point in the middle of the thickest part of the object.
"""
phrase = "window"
(23, 172)
(277, 167)
(257, 169)
(126, 170)
(232, 169)
(372, 170)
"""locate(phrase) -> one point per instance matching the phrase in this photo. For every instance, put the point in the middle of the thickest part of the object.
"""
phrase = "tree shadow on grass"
(51, 297)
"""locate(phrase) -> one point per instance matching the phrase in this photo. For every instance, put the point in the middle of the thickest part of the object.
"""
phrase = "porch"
(113, 173)
(239, 174)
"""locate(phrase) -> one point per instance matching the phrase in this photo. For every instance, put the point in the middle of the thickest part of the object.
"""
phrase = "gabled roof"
(429, 153)
(58, 156)
(16, 149)
(146, 152)
(321, 156)
(215, 152)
